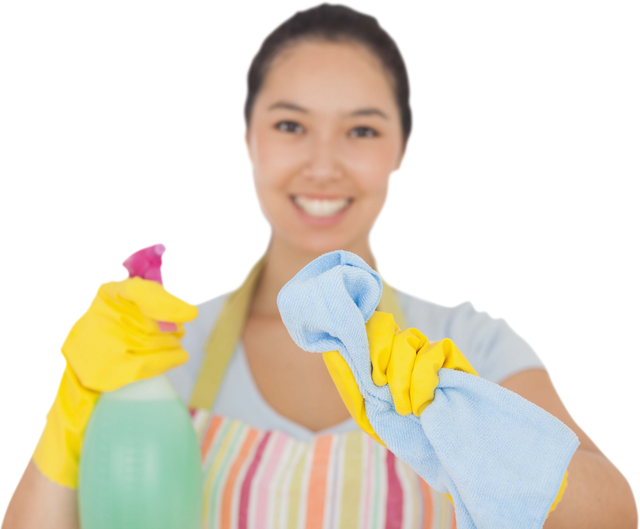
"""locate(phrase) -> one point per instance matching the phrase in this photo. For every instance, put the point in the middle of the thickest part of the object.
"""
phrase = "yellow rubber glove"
(403, 359)
(409, 363)
(116, 342)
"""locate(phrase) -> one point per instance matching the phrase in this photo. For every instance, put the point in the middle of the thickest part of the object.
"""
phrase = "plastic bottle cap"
(146, 264)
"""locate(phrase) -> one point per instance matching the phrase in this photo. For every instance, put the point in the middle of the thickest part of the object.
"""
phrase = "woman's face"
(324, 137)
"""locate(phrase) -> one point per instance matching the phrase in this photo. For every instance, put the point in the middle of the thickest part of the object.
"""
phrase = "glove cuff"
(555, 502)
(563, 486)
(58, 451)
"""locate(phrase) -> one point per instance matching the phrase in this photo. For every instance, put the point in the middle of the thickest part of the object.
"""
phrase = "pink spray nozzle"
(146, 264)
(146, 261)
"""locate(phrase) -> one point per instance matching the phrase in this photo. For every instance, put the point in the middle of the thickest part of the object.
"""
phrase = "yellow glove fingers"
(348, 388)
(381, 330)
(424, 377)
(403, 355)
(154, 300)
(454, 359)
(119, 358)
(102, 346)
(133, 367)
(430, 359)
(406, 361)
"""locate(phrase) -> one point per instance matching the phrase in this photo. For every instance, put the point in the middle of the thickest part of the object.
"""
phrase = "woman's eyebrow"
(359, 112)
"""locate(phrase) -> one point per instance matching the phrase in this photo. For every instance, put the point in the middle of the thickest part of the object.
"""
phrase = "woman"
(327, 114)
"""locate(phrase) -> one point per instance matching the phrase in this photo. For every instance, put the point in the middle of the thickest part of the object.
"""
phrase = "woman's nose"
(323, 163)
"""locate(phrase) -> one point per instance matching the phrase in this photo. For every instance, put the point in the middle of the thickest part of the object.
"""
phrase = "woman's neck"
(284, 261)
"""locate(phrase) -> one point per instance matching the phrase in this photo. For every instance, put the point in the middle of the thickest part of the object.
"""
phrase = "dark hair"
(333, 23)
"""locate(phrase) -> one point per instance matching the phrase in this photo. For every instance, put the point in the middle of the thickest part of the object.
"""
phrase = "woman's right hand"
(116, 342)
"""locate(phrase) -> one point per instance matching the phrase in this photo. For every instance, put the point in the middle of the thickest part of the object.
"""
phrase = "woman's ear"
(246, 141)
(403, 159)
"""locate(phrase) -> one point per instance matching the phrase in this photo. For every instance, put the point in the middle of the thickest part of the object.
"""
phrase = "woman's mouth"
(320, 212)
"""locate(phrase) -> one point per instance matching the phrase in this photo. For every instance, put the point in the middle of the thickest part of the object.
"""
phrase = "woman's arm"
(39, 502)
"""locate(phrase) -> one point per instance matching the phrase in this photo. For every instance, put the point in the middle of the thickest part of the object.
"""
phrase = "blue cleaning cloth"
(501, 457)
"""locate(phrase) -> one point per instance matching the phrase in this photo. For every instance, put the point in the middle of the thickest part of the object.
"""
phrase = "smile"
(321, 212)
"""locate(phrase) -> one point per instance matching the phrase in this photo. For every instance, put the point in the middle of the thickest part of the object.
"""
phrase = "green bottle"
(140, 464)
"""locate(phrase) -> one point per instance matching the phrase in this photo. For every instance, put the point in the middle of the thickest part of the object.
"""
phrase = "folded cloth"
(499, 456)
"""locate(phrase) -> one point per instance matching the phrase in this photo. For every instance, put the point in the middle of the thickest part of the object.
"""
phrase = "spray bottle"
(140, 462)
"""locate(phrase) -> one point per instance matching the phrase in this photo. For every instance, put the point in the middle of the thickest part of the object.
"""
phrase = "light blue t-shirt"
(494, 350)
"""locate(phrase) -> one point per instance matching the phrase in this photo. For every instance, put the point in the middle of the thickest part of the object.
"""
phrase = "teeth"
(321, 208)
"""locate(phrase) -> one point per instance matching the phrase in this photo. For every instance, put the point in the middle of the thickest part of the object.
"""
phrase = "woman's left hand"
(405, 360)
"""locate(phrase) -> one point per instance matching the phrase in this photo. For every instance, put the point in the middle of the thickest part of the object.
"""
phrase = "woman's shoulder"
(492, 343)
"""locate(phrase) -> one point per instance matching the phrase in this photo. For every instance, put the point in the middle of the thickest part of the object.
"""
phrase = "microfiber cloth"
(499, 456)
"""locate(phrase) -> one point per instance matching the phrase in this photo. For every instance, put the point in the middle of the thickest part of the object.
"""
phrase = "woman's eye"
(292, 129)
(287, 129)
(374, 133)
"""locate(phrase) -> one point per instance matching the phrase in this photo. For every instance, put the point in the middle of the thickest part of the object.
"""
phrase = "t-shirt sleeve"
(492, 347)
